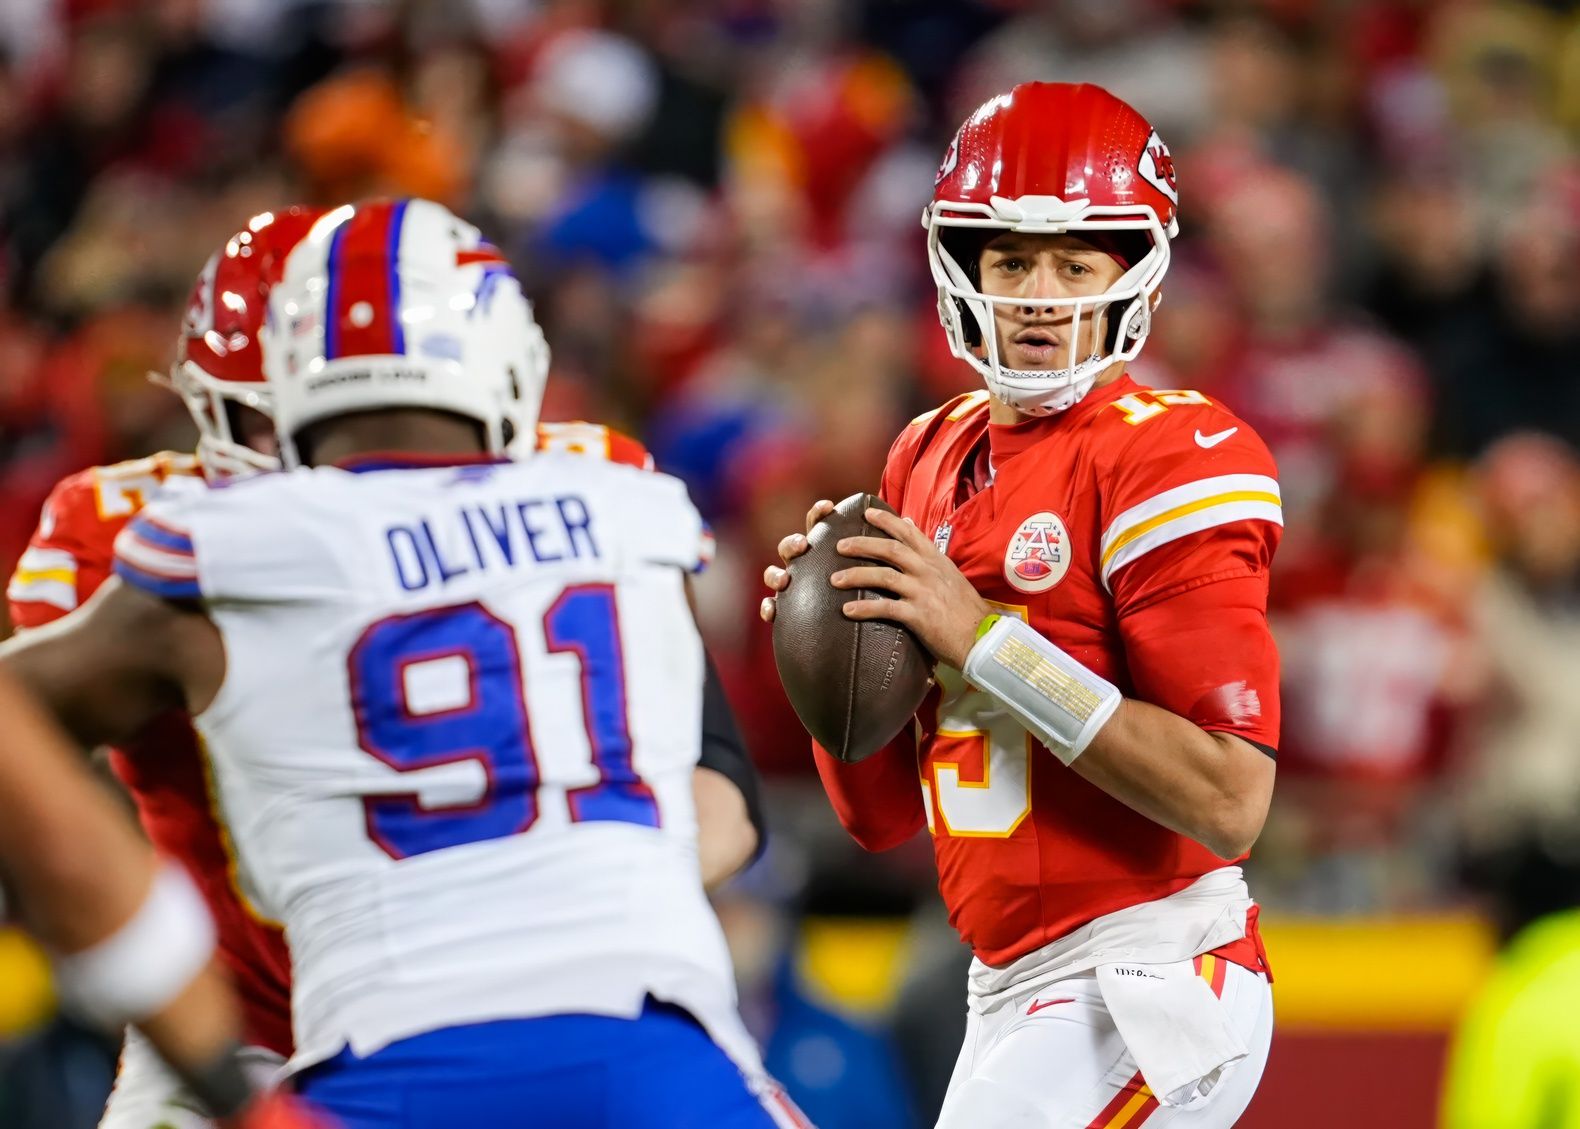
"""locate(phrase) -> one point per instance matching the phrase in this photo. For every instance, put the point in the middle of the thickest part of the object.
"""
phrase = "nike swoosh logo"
(1038, 1005)
(1215, 438)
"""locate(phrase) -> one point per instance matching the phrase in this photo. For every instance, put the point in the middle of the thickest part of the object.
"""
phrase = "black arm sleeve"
(724, 751)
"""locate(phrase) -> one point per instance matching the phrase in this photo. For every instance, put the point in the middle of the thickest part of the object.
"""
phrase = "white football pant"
(1054, 1060)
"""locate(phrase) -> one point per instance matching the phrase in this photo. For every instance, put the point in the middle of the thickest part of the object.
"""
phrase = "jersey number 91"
(492, 726)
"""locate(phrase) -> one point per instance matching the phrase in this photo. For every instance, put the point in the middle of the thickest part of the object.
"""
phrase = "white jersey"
(455, 739)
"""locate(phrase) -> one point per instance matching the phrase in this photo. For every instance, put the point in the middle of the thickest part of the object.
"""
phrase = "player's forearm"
(197, 1034)
(129, 942)
(76, 866)
(1211, 787)
(726, 835)
(878, 801)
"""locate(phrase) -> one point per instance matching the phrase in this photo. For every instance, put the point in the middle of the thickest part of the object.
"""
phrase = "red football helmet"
(1052, 157)
(219, 364)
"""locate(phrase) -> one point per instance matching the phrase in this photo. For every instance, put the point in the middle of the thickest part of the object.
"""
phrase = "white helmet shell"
(401, 304)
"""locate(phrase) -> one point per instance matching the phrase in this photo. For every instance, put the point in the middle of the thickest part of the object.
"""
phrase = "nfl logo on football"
(1039, 554)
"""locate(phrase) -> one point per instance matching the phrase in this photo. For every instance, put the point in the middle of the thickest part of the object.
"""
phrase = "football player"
(130, 938)
(1087, 560)
(453, 706)
(219, 375)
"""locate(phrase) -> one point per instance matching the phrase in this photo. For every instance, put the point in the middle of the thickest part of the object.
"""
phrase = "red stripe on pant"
(1120, 1113)
(1125, 1111)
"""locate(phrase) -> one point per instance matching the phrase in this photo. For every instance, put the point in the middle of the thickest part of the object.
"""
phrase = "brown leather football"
(853, 684)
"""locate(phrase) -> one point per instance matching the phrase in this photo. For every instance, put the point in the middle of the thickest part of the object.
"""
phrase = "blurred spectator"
(1524, 755)
(355, 135)
(1513, 359)
(1498, 63)
(1374, 650)
(1137, 49)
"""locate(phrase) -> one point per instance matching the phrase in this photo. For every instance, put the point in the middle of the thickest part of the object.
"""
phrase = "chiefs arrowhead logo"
(951, 159)
(199, 317)
(1039, 554)
(1156, 167)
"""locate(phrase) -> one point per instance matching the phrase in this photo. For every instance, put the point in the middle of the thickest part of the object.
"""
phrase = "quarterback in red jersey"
(1087, 559)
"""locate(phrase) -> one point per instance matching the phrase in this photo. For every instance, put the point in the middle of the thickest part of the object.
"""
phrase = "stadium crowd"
(714, 206)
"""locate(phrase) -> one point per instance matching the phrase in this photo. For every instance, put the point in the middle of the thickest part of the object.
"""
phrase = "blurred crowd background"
(714, 205)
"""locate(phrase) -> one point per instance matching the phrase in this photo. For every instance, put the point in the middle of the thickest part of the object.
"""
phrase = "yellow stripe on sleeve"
(38, 575)
(1143, 528)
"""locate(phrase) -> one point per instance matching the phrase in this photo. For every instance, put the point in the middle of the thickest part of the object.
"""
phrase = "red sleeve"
(1191, 518)
(879, 801)
(1206, 653)
(1191, 497)
(68, 556)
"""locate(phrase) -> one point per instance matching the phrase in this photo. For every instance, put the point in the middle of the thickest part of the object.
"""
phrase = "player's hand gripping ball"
(854, 683)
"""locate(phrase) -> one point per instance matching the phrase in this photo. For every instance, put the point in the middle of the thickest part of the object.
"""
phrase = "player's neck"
(399, 431)
(1001, 413)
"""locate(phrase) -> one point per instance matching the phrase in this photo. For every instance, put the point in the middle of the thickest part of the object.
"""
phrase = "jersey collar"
(1006, 440)
(411, 460)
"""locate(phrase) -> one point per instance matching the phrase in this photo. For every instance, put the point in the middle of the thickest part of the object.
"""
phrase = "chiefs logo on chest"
(1038, 555)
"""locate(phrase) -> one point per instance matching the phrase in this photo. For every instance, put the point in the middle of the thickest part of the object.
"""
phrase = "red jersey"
(164, 768)
(1135, 531)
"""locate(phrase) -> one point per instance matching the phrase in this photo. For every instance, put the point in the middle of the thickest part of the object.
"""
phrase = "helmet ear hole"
(970, 331)
(1131, 325)
(508, 427)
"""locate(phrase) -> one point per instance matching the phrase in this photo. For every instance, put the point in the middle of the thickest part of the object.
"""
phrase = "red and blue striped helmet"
(401, 304)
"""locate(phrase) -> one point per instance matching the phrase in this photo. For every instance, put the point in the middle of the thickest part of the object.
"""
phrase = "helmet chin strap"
(1018, 387)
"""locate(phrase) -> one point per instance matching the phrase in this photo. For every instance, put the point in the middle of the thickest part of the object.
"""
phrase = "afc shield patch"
(1039, 553)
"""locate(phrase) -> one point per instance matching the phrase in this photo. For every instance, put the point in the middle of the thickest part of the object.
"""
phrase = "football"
(853, 684)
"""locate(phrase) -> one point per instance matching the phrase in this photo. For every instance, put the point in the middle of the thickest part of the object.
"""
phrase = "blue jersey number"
(585, 622)
(490, 726)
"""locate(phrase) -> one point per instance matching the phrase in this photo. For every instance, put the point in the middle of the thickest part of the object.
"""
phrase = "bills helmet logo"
(1039, 553)
(1156, 167)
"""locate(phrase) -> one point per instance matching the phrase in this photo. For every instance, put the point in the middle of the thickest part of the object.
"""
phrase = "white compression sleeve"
(143, 965)
(1058, 700)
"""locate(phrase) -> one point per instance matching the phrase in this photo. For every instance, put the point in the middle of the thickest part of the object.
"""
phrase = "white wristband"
(137, 970)
(1058, 700)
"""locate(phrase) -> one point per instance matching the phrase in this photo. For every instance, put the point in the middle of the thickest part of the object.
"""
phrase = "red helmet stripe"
(362, 305)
